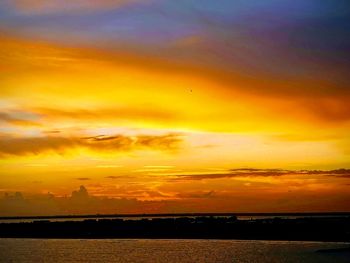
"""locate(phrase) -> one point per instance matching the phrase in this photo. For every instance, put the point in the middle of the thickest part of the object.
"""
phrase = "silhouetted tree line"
(322, 229)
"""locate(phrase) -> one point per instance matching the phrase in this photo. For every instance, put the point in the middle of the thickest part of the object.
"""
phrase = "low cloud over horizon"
(297, 191)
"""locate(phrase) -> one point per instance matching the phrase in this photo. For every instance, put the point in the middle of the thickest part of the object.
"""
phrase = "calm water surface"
(146, 250)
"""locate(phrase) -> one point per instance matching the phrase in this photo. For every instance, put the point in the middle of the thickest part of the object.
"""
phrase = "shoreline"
(87, 216)
(323, 229)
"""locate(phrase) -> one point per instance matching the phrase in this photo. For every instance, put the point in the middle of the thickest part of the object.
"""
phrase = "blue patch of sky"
(163, 20)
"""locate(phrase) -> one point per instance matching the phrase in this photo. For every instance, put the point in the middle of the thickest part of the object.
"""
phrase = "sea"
(169, 250)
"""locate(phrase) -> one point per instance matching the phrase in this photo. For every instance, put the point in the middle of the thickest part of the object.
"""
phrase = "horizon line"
(339, 213)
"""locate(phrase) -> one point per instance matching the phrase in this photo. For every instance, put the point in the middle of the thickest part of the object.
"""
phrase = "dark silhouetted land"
(327, 228)
(176, 215)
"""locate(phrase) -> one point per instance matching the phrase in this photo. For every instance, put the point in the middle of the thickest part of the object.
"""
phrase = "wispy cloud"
(37, 145)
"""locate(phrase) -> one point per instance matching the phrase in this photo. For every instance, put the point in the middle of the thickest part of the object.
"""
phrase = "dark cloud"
(121, 142)
(17, 205)
(36, 145)
(83, 178)
(80, 195)
(200, 194)
(81, 202)
(102, 138)
(112, 177)
(11, 118)
(5, 116)
(345, 173)
(169, 141)
(252, 172)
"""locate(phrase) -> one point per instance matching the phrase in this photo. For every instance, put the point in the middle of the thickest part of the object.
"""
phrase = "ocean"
(164, 250)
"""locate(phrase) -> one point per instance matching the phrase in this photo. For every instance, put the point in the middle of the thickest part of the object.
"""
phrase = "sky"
(137, 106)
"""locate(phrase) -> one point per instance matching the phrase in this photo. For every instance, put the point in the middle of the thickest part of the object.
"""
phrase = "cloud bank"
(253, 172)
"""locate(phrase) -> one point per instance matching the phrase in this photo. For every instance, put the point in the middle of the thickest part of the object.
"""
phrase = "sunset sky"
(174, 106)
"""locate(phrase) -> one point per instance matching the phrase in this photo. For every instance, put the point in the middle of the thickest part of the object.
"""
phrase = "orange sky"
(149, 124)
